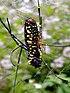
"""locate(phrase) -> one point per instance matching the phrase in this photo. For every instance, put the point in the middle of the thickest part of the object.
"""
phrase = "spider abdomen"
(32, 42)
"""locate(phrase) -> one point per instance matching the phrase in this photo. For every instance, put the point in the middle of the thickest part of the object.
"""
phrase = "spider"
(32, 44)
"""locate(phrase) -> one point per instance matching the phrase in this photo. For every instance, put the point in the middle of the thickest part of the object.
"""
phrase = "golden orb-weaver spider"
(32, 42)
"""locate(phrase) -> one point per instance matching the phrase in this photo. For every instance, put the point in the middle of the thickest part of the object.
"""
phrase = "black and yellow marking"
(32, 40)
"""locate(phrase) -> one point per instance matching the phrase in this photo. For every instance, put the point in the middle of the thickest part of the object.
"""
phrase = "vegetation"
(55, 30)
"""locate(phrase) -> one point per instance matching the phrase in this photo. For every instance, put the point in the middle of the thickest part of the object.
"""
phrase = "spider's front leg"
(17, 41)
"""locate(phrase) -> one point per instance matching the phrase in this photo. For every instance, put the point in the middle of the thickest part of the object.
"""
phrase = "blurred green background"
(55, 30)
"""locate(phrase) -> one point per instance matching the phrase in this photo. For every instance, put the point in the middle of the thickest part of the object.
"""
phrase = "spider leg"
(12, 53)
(17, 41)
(54, 45)
(40, 18)
(9, 29)
(17, 67)
(53, 72)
